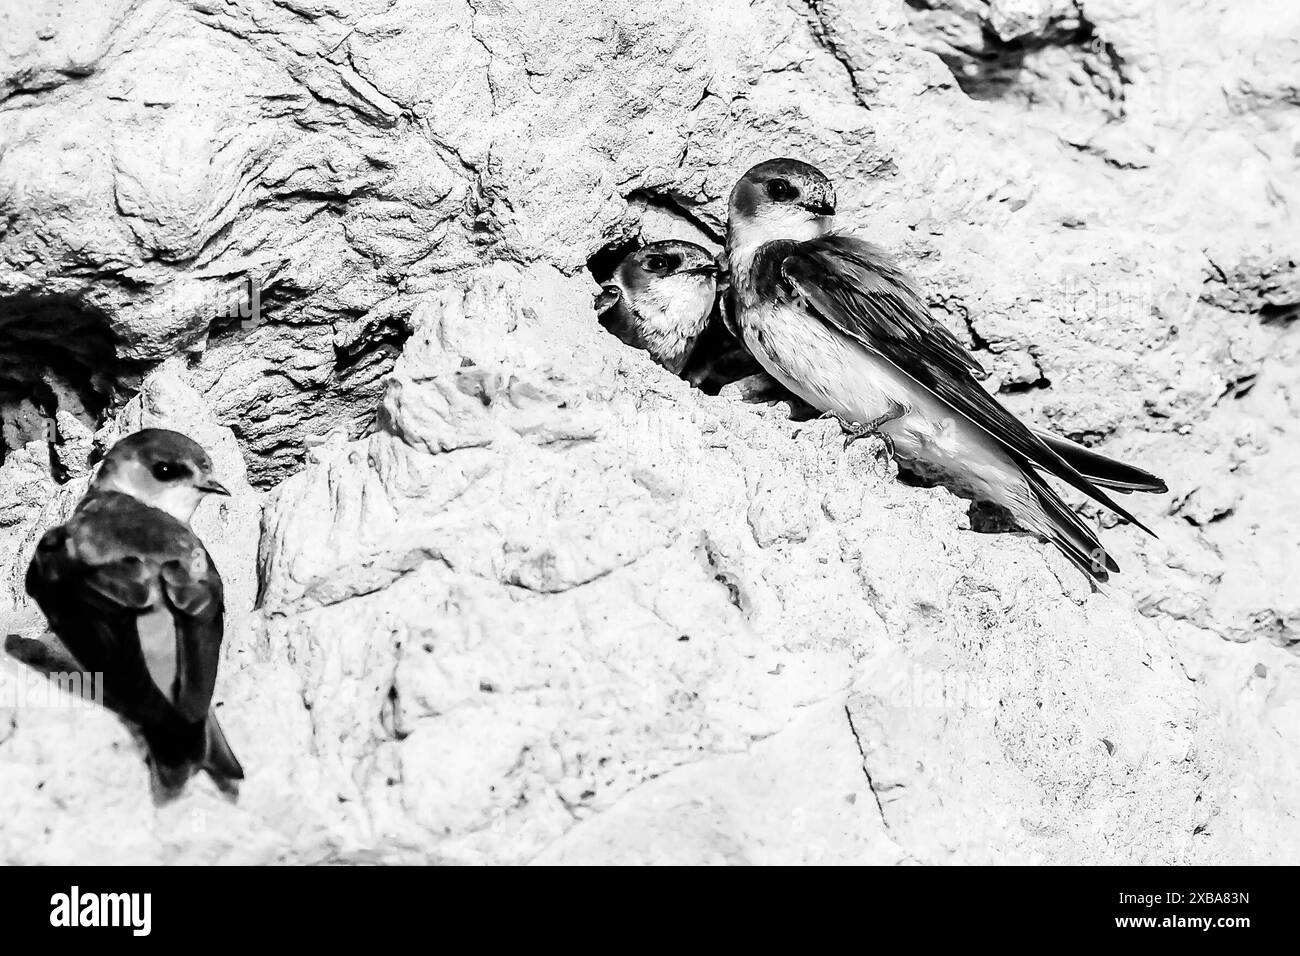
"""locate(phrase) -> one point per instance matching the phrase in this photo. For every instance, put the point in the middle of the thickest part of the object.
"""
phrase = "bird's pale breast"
(819, 365)
(831, 372)
(670, 315)
(156, 629)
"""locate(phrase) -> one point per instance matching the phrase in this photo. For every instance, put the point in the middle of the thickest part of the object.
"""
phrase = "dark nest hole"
(1279, 314)
(717, 359)
(993, 69)
(603, 263)
(56, 355)
(274, 431)
(381, 344)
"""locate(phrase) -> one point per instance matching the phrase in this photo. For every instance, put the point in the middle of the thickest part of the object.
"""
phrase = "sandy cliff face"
(502, 589)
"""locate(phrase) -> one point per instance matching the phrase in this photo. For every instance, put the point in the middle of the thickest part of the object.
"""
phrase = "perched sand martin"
(659, 299)
(833, 319)
(132, 593)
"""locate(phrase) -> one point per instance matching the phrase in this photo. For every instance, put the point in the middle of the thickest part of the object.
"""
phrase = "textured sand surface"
(524, 596)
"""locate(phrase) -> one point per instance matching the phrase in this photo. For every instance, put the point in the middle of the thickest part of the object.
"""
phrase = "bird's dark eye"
(781, 190)
(169, 471)
(655, 263)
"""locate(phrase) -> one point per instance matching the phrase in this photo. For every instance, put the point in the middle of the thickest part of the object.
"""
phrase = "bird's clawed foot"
(854, 431)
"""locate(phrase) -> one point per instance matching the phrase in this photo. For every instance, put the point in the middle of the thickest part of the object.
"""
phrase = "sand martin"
(659, 299)
(133, 594)
(838, 323)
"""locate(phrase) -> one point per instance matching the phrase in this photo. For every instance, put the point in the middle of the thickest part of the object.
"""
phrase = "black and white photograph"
(607, 433)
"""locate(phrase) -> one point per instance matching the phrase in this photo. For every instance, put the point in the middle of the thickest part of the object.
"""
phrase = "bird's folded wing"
(1102, 469)
(127, 583)
(94, 610)
(856, 289)
(142, 643)
(724, 301)
(50, 562)
(194, 593)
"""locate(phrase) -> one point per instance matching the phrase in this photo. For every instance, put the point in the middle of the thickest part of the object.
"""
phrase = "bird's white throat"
(179, 500)
(676, 305)
(746, 235)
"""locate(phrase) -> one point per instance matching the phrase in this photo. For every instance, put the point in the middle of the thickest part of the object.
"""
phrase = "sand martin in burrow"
(659, 299)
(834, 320)
(132, 593)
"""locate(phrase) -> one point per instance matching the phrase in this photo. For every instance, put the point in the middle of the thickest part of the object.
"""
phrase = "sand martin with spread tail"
(659, 299)
(132, 593)
(836, 321)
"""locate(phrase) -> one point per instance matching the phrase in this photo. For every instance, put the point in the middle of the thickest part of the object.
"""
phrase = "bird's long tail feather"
(1101, 469)
(179, 754)
(218, 759)
(1065, 529)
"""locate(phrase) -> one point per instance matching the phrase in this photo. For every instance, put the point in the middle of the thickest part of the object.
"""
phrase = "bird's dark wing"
(94, 609)
(129, 583)
(725, 300)
(59, 579)
(194, 594)
(112, 569)
(49, 565)
(1102, 469)
(856, 289)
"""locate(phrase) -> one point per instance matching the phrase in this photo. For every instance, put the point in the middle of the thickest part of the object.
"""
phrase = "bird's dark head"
(163, 469)
(781, 199)
(667, 277)
(661, 297)
(665, 259)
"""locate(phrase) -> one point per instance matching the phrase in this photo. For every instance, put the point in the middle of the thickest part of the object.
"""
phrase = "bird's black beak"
(709, 269)
(820, 207)
(819, 199)
(213, 487)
